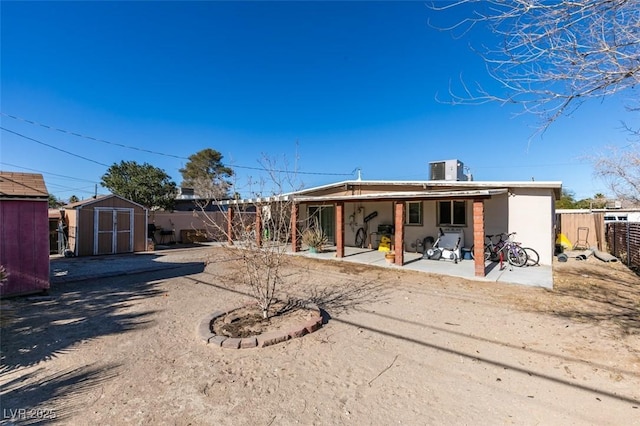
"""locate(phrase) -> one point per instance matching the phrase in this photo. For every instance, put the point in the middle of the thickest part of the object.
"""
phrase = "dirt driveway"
(398, 348)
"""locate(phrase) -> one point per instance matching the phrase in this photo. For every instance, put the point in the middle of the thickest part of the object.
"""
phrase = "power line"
(35, 123)
(69, 189)
(47, 173)
(53, 147)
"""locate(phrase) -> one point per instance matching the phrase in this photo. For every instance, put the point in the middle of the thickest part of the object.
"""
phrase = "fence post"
(628, 244)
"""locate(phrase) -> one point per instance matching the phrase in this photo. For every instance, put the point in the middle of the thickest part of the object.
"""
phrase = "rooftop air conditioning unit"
(447, 170)
(614, 204)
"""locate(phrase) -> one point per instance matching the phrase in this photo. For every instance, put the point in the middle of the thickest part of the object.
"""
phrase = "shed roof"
(22, 185)
(86, 202)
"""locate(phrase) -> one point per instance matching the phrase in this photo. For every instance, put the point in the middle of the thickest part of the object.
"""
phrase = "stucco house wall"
(211, 223)
(532, 216)
(525, 209)
(496, 218)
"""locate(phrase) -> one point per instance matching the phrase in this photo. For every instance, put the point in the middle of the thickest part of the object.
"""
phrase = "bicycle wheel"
(488, 253)
(532, 256)
(516, 256)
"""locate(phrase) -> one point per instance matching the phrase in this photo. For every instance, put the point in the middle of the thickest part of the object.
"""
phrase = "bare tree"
(261, 230)
(551, 56)
(620, 169)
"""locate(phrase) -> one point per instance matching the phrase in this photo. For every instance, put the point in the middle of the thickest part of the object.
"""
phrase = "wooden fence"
(623, 239)
(572, 225)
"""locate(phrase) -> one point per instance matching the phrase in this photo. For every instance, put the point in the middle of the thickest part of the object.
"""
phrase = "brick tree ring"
(205, 329)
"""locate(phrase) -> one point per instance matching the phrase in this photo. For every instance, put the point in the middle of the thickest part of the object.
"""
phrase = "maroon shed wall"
(24, 246)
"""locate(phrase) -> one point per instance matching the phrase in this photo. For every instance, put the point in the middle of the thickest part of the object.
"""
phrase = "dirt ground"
(398, 347)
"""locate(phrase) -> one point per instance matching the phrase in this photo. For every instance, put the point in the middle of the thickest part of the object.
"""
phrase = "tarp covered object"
(563, 241)
(605, 257)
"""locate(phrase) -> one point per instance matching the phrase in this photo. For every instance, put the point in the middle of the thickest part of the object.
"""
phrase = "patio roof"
(434, 184)
(394, 190)
(382, 196)
(406, 195)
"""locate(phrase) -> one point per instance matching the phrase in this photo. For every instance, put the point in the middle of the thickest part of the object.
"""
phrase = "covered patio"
(484, 208)
(537, 276)
(398, 202)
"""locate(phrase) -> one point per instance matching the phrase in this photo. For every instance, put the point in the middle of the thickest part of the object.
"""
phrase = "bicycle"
(532, 256)
(489, 248)
(514, 253)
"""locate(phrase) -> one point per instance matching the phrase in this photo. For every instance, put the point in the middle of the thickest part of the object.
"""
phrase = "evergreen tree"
(207, 175)
(144, 184)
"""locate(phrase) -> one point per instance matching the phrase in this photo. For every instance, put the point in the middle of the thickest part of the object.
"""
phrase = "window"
(414, 213)
(452, 213)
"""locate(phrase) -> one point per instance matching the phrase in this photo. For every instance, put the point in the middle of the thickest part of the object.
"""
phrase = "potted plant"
(315, 239)
(390, 256)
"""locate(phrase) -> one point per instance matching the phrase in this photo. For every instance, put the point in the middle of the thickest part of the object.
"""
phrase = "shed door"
(113, 231)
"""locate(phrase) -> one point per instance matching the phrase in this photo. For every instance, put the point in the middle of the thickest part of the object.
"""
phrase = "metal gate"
(113, 230)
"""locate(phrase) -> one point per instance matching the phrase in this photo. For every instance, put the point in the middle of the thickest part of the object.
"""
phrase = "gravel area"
(397, 347)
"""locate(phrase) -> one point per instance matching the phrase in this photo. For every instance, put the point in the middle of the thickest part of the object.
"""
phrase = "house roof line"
(404, 195)
(555, 185)
(432, 185)
(407, 195)
(468, 183)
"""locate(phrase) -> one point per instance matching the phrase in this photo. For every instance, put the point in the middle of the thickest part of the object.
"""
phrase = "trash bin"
(466, 253)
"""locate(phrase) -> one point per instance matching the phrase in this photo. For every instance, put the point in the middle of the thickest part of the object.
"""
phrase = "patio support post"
(399, 233)
(230, 225)
(340, 229)
(258, 226)
(295, 243)
(478, 237)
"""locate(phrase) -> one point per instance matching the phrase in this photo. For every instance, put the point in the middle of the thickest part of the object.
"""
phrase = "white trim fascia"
(405, 195)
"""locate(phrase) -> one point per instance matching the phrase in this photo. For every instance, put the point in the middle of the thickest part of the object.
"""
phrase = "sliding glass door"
(326, 217)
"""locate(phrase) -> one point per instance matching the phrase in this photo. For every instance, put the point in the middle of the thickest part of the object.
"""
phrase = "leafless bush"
(260, 229)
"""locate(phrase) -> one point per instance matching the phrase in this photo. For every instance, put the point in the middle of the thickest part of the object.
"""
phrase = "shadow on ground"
(26, 400)
(36, 329)
(597, 295)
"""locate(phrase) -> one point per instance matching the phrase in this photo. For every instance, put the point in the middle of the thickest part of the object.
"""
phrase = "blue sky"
(336, 85)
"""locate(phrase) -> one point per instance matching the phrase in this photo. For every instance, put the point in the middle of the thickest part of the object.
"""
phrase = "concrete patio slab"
(538, 276)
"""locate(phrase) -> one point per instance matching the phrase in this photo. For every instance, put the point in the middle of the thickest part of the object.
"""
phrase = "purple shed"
(24, 230)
